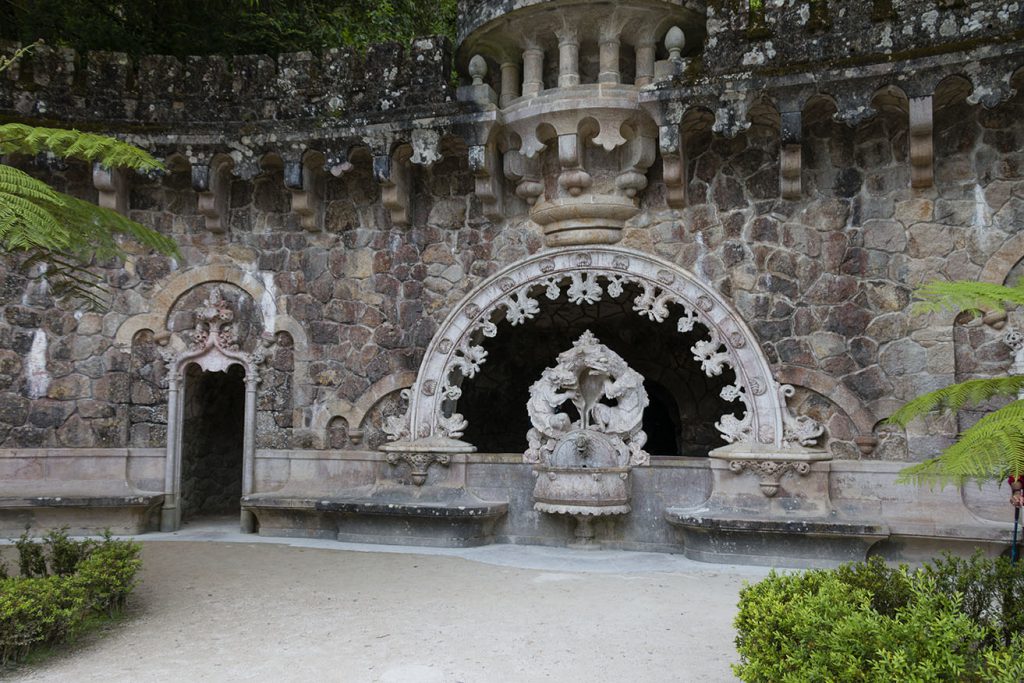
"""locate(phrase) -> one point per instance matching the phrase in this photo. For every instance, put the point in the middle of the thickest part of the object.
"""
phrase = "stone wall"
(338, 84)
(824, 281)
(788, 35)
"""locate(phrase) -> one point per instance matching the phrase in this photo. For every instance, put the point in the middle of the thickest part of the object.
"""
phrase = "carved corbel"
(213, 183)
(673, 165)
(573, 179)
(112, 185)
(304, 180)
(770, 472)
(732, 116)
(791, 156)
(392, 172)
(525, 172)
(419, 462)
(426, 147)
(635, 157)
(921, 147)
(485, 163)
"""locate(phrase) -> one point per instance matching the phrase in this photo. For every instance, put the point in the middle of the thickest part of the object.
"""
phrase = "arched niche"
(670, 295)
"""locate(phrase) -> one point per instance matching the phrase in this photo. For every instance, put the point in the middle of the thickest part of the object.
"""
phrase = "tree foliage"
(993, 447)
(186, 27)
(58, 235)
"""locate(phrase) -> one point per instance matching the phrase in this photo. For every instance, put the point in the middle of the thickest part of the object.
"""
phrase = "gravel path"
(311, 611)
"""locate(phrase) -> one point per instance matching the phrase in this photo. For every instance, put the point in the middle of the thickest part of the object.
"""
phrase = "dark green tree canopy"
(198, 27)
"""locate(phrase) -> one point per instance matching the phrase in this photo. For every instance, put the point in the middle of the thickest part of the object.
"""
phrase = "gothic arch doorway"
(213, 350)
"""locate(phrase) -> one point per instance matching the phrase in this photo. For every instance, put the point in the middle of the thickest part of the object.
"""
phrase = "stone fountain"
(582, 466)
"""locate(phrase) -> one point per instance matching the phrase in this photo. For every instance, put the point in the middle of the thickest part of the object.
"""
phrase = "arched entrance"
(667, 295)
(684, 402)
(214, 351)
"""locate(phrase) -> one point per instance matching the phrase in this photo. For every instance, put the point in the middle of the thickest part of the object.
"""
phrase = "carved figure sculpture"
(608, 395)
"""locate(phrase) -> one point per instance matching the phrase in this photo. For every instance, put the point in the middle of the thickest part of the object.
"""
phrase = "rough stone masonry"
(736, 198)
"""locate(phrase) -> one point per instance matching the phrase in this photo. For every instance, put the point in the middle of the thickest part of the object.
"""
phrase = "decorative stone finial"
(675, 41)
(478, 69)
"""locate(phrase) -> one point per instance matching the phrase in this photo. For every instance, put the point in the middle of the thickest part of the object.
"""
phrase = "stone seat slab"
(390, 514)
(732, 536)
(84, 507)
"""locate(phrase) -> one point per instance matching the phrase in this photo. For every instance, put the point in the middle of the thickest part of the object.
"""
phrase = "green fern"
(17, 138)
(967, 296)
(993, 447)
(957, 397)
(60, 236)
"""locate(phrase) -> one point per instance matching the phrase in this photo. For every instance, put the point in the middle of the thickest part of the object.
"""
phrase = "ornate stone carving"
(799, 429)
(214, 344)
(397, 427)
(591, 274)
(771, 472)
(588, 374)
(419, 463)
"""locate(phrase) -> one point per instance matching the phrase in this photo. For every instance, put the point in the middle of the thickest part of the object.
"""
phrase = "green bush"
(37, 611)
(63, 582)
(108, 575)
(953, 620)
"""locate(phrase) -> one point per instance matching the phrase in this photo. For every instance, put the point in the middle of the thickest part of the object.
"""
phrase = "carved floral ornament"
(668, 294)
(214, 344)
(770, 472)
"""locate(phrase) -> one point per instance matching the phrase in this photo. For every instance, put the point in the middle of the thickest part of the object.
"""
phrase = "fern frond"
(967, 296)
(7, 62)
(991, 449)
(96, 229)
(957, 397)
(69, 278)
(66, 234)
(18, 183)
(25, 224)
(17, 138)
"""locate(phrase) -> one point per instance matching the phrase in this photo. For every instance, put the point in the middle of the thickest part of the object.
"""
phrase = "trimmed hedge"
(951, 620)
(63, 582)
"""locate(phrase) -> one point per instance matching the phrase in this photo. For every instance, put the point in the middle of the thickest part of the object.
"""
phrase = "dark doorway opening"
(684, 402)
(211, 448)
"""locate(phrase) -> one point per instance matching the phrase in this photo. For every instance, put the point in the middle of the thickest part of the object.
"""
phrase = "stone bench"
(85, 507)
(390, 514)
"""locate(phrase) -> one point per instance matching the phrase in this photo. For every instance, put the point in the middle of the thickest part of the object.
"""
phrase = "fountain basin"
(582, 490)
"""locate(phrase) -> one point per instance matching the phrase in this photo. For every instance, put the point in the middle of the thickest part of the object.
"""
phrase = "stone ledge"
(732, 537)
(388, 514)
(85, 507)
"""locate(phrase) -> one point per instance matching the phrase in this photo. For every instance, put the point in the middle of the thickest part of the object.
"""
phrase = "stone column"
(509, 83)
(533, 71)
(568, 58)
(169, 514)
(609, 53)
(248, 520)
(644, 63)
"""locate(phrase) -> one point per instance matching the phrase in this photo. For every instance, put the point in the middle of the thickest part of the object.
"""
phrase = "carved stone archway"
(669, 294)
(214, 348)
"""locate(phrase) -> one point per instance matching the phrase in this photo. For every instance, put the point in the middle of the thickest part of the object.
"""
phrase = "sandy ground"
(252, 610)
